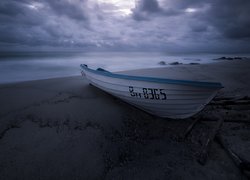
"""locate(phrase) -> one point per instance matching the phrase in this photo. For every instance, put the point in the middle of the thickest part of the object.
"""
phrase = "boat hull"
(174, 99)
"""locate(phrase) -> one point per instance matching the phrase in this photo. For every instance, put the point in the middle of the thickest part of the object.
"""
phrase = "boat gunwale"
(215, 85)
(205, 92)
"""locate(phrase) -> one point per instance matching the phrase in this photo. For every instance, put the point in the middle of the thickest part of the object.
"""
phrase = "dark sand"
(66, 129)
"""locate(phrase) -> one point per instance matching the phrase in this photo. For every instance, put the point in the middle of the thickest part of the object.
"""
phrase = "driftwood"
(203, 155)
(242, 164)
(242, 100)
(231, 102)
(190, 127)
(235, 98)
(226, 120)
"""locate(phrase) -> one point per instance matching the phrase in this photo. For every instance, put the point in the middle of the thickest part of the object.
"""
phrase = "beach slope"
(64, 128)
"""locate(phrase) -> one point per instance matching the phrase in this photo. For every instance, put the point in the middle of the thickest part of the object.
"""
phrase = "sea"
(26, 66)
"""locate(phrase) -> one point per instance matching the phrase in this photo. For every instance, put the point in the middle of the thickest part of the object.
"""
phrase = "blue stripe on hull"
(103, 72)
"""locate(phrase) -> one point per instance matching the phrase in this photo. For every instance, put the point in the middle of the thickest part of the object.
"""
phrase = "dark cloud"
(144, 9)
(199, 27)
(148, 6)
(19, 23)
(8, 8)
(38, 23)
(191, 25)
(72, 9)
(230, 17)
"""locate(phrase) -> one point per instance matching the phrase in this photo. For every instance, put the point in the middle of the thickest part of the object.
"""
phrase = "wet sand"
(66, 129)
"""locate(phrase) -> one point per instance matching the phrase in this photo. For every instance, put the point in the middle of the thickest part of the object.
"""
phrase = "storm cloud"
(164, 25)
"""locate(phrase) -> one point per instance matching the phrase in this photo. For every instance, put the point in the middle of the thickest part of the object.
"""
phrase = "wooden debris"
(231, 98)
(242, 100)
(242, 164)
(190, 127)
(203, 155)
(226, 120)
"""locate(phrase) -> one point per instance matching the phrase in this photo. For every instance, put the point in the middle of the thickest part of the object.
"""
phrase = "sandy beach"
(64, 128)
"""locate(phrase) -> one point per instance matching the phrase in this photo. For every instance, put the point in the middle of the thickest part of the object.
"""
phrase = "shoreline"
(33, 80)
(138, 71)
(64, 128)
(25, 70)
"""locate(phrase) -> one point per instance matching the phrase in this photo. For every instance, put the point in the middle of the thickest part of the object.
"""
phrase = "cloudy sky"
(121, 25)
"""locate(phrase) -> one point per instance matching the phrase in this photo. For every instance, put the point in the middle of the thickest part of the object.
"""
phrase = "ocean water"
(25, 66)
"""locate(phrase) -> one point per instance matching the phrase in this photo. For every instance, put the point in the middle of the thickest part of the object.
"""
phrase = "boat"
(167, 98)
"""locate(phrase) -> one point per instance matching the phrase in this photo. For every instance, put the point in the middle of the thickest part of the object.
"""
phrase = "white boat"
(168, 98)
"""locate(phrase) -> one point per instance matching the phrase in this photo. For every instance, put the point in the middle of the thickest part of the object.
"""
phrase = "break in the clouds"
(117, 25)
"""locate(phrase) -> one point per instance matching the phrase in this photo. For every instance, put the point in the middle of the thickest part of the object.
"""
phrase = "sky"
(179, 26)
